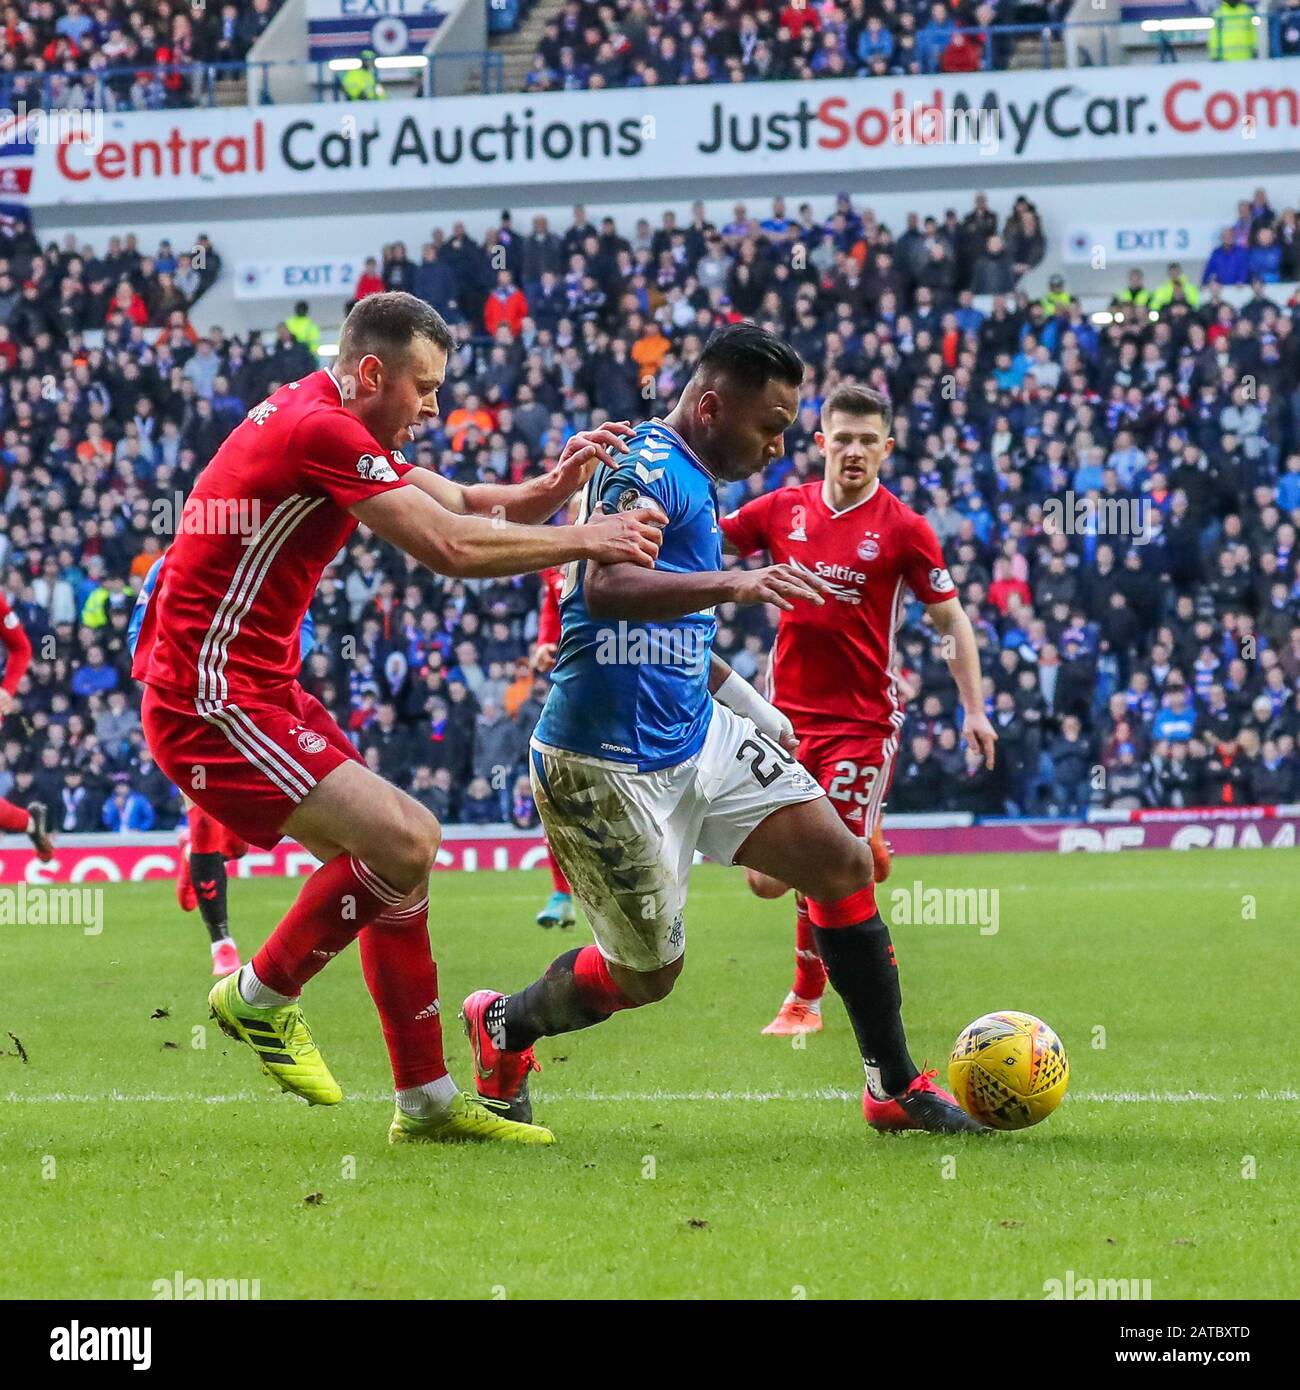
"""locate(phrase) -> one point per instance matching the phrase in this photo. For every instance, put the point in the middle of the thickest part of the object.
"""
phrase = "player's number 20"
(764, 751)
(846, 774)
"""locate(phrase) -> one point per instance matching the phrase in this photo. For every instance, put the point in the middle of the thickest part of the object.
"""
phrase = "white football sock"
(253, 991)
(429, 1099)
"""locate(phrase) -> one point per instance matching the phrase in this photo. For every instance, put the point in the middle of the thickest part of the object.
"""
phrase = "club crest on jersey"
(376, 469)
(870, 546)
(311, 742)
(631, 498)
(941, 581)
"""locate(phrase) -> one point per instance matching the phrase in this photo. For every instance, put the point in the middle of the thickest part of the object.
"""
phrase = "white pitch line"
(827, 1093)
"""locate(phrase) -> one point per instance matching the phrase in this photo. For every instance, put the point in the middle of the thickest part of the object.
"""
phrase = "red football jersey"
(831, 665)
(548, 619)
(264, 519)
(17, 645)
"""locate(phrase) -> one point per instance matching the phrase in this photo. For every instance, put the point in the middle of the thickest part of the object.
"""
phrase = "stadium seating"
(142, 49)
(1174, 662)
(159, 53)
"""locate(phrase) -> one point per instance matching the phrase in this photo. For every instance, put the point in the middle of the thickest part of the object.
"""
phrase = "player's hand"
(544, 657)
(787, 738)
(981, 737)
(631, 537)
(7, 703)
(779, 585)
(586, 449)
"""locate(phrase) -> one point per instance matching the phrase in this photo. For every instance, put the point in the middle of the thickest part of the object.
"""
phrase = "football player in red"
(832, 668)
(29, 820)
(201, 881)
(559, 910)
(228, 722)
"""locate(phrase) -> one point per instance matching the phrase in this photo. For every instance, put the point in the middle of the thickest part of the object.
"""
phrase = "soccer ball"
(1008, 1070)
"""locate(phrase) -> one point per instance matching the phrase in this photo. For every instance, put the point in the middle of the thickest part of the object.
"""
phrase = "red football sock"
(400, 972)
(207, 836)
(339, 899)
(595, 985)
(13, 818)
(809, 972)
(558, 880)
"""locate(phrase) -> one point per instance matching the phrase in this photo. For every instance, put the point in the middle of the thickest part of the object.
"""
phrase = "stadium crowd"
(641, 43)
(50, 48)
(1118, 502)
(133, 55)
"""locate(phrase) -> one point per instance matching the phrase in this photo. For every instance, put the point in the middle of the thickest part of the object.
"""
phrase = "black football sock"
(556, 1003)
(860, 962)
(208, 874)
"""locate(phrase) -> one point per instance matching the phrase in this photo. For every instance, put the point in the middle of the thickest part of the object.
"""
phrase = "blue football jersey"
(630, 692)
(306, 634)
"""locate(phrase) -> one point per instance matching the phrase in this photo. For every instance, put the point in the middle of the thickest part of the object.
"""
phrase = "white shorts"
(626, 839)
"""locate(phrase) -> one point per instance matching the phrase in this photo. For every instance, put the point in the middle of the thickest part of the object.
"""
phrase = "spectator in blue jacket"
(1228, 262)
(1175, 722)
(95, 677)
(1264, 259)
(126, 811)
(434, 282)
(934, 37)
(875, 41)
(1288, 490)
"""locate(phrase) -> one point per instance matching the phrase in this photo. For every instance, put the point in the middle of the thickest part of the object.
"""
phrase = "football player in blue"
(651, 748)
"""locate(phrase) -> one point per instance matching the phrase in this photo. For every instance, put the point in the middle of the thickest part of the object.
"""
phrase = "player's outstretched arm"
(623, 591)
(474, 547)
(962, 653)
(538, 499)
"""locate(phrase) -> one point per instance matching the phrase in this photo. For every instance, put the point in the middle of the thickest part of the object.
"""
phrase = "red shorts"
(855, 770)
(209, 836)
(246, 763)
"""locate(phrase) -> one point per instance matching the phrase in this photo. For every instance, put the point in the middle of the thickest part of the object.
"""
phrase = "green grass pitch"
(696, 1159)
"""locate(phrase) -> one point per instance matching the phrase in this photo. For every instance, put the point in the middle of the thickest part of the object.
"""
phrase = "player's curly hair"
(749, 357)
(385, 324)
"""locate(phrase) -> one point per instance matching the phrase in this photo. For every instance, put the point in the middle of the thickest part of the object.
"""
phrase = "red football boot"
(501, 1077)
(922, 1106)
(881, 855)
(185, 894)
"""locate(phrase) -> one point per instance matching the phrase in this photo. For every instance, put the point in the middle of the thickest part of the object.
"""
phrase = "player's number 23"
(846, 773)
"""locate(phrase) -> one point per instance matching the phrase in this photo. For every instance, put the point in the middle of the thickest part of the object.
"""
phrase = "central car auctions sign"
(969, 120)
